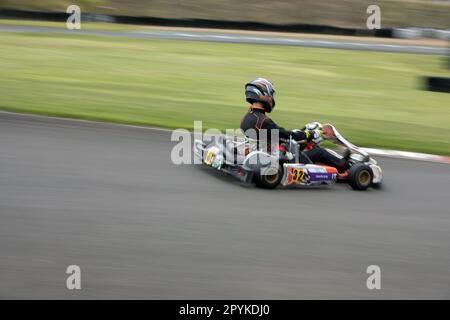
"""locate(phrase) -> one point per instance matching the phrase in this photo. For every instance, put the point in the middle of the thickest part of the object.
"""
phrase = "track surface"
(107, 198)
(241, 38)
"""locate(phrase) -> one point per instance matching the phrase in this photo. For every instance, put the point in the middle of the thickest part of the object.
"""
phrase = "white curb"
(397, 154)
(408, 155)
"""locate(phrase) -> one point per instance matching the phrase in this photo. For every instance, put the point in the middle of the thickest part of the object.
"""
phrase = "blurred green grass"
(373, 98)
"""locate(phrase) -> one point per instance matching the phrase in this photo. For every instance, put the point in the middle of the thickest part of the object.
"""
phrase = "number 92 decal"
(297, 175)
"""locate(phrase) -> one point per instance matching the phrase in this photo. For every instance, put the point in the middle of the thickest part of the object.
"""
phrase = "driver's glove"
(313, 134)
(299, 135)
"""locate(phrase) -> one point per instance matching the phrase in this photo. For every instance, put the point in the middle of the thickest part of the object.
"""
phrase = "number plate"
(296, 175)
(210, 156)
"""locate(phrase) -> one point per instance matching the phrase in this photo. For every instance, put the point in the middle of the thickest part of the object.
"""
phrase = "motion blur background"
(376, 98)
(344, 13)
(108, 198)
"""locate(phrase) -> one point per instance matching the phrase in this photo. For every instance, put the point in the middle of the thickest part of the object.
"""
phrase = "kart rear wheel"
(268, 181)
(360, 176)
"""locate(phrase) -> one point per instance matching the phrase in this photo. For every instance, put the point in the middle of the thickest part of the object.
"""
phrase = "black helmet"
(261, 90)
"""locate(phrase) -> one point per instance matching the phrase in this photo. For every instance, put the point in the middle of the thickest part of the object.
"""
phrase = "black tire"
(268, 181)
(360, 176)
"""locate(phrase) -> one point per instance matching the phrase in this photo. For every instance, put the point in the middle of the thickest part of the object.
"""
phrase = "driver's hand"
(299, 135)
(313, 134)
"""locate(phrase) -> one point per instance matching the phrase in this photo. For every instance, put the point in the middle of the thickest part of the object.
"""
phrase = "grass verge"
(374, 98)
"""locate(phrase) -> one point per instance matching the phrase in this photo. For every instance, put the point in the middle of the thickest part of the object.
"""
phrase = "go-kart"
(286, 164)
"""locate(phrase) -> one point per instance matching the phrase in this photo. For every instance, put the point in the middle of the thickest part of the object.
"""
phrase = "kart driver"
(260, 94)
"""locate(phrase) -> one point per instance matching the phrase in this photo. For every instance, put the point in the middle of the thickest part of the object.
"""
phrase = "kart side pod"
(308, 174)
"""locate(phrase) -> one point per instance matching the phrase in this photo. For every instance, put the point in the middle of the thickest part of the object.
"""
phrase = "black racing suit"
(256, 119)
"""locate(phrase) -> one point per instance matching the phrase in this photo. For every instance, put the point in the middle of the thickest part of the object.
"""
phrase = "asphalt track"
(108, 199)
(240, 38)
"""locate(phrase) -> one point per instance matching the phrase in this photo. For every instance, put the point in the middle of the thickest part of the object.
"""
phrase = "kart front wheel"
(268, 180)
(360, 176)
